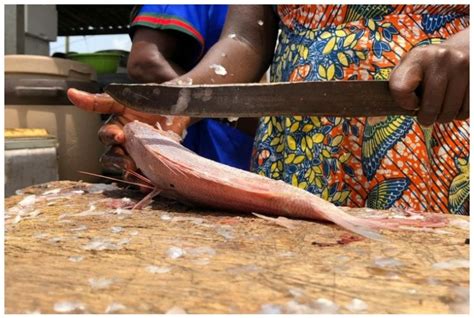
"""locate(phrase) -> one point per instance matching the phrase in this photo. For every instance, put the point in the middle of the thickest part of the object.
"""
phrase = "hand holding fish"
(111, 133)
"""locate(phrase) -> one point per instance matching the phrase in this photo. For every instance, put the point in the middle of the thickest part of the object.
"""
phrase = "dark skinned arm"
(245, 48)
(442, 72)
(150, 59)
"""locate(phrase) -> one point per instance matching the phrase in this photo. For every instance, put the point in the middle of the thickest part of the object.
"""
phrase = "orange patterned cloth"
(378, 162)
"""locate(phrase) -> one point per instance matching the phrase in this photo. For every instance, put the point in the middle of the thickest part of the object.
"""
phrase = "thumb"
(99, 103)
(404, 82)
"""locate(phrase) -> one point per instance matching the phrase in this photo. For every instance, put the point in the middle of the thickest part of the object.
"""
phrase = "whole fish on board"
(179, 173)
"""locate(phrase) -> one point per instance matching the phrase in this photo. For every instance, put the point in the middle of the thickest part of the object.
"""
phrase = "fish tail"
(367, 227)
(363, 227)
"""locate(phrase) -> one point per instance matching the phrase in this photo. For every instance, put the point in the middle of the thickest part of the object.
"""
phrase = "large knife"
(329, 98)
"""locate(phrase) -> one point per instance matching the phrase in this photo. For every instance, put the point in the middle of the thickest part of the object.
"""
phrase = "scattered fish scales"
(101, 245)
(35, 213)
(325, 306)
(357, 306)
(27, 201)
(116, 229)
(17, 219)
(81, 227)
(66, 306)
(114, 307)
(451, 264)
(193, 220)
(200, 251)
(242, 269)
(201, 261)
(218, 69)
(175, 252)
(55, 240)
(165, 217)
(76, 258)
(460, 223)
(120, 211)
(226, 232)
(175, 310)
(40, 235)
(271, 309)
(387, 262)
(53, 191)
(158, 269)
(101, 187)
(296, 292)
(460, 302)
(169, 120)
(318, 306)
(100, 283)
(123, 241)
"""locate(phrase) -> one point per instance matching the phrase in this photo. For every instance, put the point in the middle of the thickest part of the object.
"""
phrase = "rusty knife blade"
(329, 98)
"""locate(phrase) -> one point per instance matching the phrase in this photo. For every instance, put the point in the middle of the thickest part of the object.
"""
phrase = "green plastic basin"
(103, 63)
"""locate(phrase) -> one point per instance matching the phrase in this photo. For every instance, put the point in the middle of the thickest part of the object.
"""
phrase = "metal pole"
(66, 44)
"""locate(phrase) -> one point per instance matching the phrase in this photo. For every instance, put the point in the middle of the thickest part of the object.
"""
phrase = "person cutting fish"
(168, 40)
(385, 162)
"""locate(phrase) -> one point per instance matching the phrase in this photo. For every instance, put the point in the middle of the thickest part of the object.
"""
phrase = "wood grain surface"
(70, 247)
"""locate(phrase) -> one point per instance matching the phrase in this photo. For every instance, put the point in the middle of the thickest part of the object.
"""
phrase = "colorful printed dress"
(377, 162)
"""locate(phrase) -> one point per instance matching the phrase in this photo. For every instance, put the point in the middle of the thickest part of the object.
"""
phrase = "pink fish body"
(183, 175)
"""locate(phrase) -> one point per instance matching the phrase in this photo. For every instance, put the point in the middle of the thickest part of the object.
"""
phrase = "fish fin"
(147, 199)
(281, 220)
(115, 179)
(138, 176)
(172, 166)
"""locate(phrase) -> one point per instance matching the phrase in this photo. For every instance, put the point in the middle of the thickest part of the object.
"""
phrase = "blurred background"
(48, 49)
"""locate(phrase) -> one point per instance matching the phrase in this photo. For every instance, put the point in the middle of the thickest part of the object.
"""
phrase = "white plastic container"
(29, 161)
(35, 97)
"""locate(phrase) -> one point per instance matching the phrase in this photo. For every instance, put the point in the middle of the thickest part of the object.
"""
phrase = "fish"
(180, 174)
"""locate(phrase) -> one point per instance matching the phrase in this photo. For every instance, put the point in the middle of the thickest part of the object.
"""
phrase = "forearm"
(244, 50)
(150, 59)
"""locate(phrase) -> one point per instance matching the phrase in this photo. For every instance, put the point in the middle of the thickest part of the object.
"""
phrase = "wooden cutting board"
(73, 251)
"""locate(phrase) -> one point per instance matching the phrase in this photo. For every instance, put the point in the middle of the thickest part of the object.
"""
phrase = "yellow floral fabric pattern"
(379, 162)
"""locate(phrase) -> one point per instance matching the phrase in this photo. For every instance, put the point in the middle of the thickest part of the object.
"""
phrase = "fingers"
(116, 159)
(404, 81)
(464, 113)
(99, 103)
(453, 100)
(434, 88)
(442, 72)
(111, 133)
